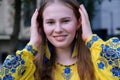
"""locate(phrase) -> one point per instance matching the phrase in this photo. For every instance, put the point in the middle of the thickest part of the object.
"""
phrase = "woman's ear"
(79, 23)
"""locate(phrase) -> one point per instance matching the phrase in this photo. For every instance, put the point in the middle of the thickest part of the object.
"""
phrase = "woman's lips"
(60, 38)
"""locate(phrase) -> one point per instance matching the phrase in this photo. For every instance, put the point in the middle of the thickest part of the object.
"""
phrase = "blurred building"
(6, 18)
(6, 25)
(7, 14)
(106, 18)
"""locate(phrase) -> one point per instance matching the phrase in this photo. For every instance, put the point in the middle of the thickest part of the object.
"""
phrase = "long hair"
(44, 69)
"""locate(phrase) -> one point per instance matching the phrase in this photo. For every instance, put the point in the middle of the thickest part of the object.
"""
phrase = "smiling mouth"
(60, 38)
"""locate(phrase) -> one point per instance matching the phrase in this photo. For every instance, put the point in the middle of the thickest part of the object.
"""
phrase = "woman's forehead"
(57, 10)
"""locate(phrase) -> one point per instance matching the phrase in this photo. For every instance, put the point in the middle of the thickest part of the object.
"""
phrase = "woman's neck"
(64, 56)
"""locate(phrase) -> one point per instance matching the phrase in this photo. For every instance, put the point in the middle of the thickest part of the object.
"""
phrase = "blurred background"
(15, 18)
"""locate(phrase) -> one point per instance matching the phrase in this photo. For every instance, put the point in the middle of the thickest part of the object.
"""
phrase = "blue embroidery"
(116, 71)
(115, 40)
(8, 77)
(30, 48)
(94, 38)
(101, 65)
(45, 59)
(67, 70)
(110, 55)
(9, 67)
(67, 74)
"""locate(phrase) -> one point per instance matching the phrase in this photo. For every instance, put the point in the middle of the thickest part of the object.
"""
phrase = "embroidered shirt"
(105, 57)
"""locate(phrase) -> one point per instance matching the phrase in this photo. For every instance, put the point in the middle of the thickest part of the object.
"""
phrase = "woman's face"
(60, 24)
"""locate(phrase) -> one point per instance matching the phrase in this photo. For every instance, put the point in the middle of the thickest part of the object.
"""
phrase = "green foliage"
(100, 1)
(89, 5)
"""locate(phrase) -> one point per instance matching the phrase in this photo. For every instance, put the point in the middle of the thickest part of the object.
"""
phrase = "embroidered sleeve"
(105, 57)
(19, 66)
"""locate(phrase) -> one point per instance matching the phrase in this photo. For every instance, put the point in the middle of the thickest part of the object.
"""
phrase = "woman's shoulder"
(105, 56)
(94, 41)
(12, 67)
(18, 66)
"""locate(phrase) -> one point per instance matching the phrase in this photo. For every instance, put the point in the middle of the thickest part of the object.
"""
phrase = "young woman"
(62, 47)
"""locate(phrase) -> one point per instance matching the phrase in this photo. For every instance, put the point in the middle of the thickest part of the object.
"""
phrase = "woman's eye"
(65, 21)
(50, 22)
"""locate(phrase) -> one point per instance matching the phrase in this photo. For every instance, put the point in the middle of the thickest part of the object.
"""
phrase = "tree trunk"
(16, 27)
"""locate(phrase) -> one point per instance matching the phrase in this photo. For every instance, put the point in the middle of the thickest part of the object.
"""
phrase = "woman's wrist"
(88, 36)
(35, 44)
(31, 48)
(85, 37)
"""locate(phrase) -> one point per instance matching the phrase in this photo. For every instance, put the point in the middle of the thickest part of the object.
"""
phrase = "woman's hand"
(86, 28)
(35, 36)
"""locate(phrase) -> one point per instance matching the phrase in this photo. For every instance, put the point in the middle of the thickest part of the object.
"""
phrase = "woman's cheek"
(48, 30)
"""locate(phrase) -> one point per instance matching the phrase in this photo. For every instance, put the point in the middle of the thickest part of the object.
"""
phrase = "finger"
(36, 13)
(34, 17)
(82, 15)
(80, 11)
(82, 8)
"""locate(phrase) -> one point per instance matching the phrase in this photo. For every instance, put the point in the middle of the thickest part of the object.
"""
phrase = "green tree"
(89, 5)
(17, 20)
(16, 27)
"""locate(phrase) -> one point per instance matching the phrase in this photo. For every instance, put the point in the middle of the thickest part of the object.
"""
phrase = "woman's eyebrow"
(66, 18)
(49, 19)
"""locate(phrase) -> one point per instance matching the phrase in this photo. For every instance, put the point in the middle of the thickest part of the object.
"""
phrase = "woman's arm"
(21, 66)
(86, 27)
(35, 36)
(105, 54)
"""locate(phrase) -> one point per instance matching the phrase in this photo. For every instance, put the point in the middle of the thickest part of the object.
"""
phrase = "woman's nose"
(58, 28)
